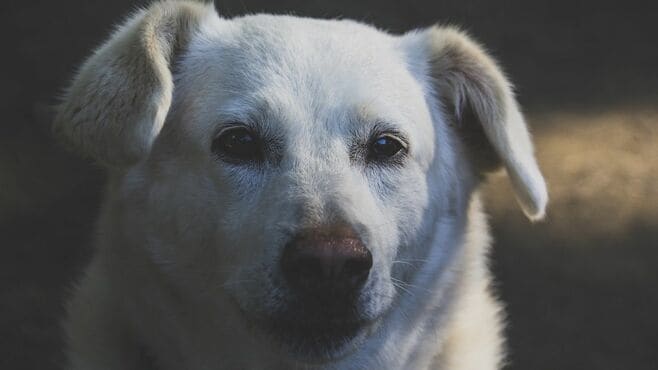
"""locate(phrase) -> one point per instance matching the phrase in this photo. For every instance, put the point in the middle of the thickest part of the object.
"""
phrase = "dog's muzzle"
(325, 270)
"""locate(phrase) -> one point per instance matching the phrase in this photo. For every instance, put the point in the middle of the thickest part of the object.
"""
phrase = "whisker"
(405, 284)
(403, 289)
(405, 263)
(413, 260)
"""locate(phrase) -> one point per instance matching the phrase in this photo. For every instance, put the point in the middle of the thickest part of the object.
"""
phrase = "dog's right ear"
(118, 101)
(478, 99)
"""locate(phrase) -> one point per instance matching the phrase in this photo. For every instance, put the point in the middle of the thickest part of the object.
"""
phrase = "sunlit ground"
(580, 288)
(601, 169)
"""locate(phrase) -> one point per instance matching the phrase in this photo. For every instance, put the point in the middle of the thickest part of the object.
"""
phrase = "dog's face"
(293, 168)
(306, 145)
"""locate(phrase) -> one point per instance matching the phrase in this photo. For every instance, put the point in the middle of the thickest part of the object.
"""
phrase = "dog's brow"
(374, 125)
(376, 117)
(251, 112)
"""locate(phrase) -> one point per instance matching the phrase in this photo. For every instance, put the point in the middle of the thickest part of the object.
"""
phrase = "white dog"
(291, 193)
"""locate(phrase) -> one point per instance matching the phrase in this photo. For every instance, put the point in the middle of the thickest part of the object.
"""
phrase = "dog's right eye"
(238, 144)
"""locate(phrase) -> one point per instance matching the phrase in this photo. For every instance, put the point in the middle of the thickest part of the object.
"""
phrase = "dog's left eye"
(385, 147)
(238, 144)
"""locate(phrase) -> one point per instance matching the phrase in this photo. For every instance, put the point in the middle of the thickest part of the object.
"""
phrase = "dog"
(291, 193)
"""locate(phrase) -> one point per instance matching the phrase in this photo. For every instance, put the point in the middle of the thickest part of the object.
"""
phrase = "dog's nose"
(325, 264)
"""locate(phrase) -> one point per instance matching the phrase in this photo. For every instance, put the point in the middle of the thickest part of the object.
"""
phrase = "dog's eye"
(385, 147)
(238, 144)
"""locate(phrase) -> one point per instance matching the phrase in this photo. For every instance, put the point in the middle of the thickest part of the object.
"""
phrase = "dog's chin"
(316, 340)
(313, 330)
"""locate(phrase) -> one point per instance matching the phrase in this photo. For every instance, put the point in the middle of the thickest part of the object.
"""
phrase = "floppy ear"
(479, 100)
(120, 97)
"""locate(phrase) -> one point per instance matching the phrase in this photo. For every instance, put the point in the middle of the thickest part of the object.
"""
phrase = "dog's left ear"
(478, 100)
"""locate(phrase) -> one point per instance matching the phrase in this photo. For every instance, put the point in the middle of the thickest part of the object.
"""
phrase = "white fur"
(187, 245)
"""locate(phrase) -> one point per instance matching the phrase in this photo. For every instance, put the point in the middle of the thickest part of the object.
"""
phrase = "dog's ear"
(478, 100)
(118, 101)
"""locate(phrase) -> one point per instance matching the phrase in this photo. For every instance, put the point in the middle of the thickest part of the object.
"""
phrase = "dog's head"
(296, 168)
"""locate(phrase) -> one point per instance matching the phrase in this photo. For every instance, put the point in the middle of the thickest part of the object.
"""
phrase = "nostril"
(320, 264)
(301, 270)
(359, 266)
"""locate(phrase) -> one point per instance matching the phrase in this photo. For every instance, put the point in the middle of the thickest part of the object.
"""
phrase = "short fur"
(186, 263)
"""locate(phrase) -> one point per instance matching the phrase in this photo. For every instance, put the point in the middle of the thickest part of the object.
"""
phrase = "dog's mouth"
(317, 336)
(311, 332)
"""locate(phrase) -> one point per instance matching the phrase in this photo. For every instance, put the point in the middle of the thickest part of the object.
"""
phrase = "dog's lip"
(319, 341)
(275, 328)
(282, 322)
(334, 336)
(298, 321)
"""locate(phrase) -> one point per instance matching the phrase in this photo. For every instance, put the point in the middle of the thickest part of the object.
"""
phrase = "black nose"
(326, 263)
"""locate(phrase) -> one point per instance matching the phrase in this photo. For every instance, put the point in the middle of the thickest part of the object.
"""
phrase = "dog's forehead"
(301, 66)
(304, 48)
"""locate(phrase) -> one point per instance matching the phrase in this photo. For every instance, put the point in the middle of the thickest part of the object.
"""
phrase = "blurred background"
(580, 288)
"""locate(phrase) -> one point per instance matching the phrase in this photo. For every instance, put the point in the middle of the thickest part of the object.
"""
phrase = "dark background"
(580, 288)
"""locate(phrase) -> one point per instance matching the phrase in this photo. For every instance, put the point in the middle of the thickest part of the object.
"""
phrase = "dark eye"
(385, 147)
(238, 144)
